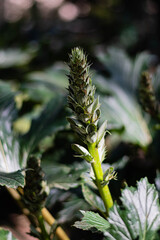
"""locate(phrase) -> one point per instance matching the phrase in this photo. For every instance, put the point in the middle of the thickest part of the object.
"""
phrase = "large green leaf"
(125, 71)
(10, 161)
(92, 221)
(6, 235)
(122, 109)
(119, 99)
(140, 217)
(9, 145)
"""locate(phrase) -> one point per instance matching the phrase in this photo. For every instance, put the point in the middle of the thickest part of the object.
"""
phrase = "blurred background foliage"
(121, 39)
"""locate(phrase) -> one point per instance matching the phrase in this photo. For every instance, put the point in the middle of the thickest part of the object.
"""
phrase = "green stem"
(42, 227)
(98, 172)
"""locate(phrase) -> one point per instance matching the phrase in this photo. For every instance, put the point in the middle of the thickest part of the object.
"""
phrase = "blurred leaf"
(9, 145)
(46, 124)
(93, 199)
(156, 81)
(92, 221)
(38, 91)
(62, 176)
(71, 208)
(6, 235)
(119, 93)
(22, 125)
(15, 57)
(51, 76)
(56, 195)
(7, 101)
(124, 71)
(12, 179)
(122, 109)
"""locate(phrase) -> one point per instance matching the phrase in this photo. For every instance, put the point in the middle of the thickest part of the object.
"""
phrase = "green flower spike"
(86, 111)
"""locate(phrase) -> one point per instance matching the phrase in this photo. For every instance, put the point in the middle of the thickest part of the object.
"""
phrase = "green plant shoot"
(86, 111)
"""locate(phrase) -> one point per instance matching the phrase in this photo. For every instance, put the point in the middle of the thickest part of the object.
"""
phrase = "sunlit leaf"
(10, 161)
(92, 221)
(140, 216)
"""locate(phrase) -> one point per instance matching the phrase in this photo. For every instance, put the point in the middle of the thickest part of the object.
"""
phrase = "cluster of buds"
(36, 189)
(147, 96)
(85, 107)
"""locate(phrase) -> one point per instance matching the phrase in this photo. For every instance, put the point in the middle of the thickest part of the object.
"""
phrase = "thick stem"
(98, 172)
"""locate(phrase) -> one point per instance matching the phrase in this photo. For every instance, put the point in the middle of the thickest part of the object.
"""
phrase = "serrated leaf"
(92, 221)
(140, 217)
(12, 179)
(93, 199)
(119, 227)
(6, 235)
(145, 207)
